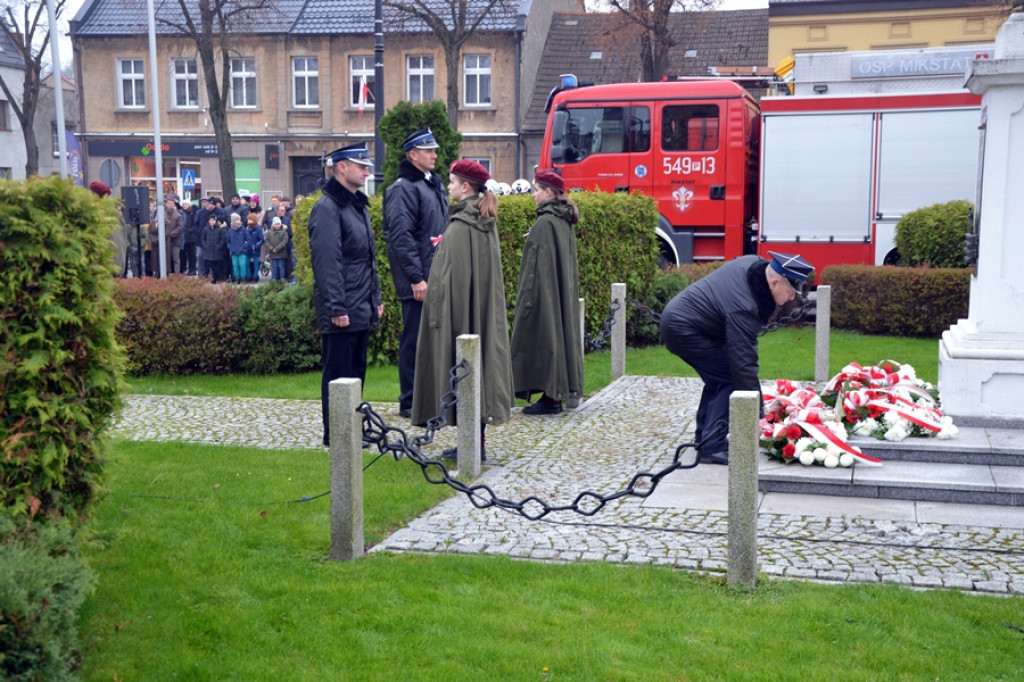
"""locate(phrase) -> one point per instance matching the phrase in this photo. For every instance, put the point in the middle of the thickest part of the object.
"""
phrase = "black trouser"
(412, 310)
(188, 258)
(343, 356)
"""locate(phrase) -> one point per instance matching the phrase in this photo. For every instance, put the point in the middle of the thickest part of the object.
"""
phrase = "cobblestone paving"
(634, 425)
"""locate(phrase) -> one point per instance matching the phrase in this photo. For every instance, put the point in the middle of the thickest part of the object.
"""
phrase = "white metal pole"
(58, 88)
(155, 108)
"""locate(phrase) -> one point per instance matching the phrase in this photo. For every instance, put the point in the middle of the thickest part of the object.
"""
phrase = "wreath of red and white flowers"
(885, 401)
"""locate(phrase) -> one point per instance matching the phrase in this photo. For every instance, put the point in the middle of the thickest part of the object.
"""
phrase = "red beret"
(471, 170)
(547, 176)
(100, 189)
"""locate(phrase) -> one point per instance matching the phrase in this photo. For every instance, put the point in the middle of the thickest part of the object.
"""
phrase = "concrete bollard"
(744, 414)
(572, 402)
(467, 411)
(344, 396)
(619, 331)
(822, 331)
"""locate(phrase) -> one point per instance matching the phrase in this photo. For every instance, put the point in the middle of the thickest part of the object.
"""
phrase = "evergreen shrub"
(279, 329)
(62, 367)
(897, 301)
(45, 581)
(615, 242)
(934, 235)
(405, 118)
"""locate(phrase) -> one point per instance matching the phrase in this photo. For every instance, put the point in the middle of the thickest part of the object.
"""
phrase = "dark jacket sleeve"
(401, 212)
(327, 254)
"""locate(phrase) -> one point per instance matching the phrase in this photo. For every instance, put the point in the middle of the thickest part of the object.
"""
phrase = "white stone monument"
(981, 359)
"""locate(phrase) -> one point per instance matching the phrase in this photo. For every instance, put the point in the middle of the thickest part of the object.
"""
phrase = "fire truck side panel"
(838, 172)
(816, 181)
(926, 158)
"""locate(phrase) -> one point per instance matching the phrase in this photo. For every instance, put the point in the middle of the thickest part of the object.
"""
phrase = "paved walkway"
(632, 426)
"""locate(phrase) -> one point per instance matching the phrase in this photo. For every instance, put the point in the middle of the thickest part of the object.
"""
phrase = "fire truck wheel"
(892, 258)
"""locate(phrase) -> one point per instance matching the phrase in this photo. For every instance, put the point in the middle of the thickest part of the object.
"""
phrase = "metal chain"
(786, 320)
(600, 341)
(395, 440)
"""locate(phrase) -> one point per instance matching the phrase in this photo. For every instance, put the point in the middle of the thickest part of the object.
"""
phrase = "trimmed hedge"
(185, 326)
(45, 582)
(897, 301)
(615, 238)
(62, 366)
(934, 235)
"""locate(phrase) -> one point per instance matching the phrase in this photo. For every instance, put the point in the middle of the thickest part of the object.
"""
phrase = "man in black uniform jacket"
(713, 325)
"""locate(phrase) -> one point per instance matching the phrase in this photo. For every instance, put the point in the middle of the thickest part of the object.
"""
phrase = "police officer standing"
(713, 325)
(415, 216)
(346, 291)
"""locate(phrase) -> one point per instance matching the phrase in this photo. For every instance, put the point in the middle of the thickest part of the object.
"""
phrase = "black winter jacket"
(415, 214)
(214, 241)
(722, 313)
(344, 260)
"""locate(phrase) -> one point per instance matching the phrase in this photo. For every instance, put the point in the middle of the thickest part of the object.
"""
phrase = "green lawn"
(785, 354)
(209, 571)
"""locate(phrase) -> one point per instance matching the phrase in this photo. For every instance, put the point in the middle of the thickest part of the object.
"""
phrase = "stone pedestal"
(981, 359)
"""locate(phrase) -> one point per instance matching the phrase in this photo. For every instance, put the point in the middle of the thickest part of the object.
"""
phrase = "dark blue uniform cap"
(794, 268)
(357, 153)
(421, 139)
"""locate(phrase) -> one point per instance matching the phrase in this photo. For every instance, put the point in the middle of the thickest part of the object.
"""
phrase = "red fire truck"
(690, 145)
(826, 176)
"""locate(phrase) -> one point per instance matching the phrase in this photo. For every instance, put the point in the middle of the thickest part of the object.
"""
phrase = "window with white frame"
(243, 82)
(362, 79)
(305, 82)
(132, 77)
(421, 79)
(185, 83)
(485, 162)
(476, 70)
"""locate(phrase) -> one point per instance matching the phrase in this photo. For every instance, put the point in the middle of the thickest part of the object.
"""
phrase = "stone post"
(344, 396)
(981, 358)
(574, 401)
(744, 414)
(467, 411)
(822, 329)
(619, 331)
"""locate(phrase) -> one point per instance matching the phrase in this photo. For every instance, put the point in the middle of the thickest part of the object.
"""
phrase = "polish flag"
(364, 91)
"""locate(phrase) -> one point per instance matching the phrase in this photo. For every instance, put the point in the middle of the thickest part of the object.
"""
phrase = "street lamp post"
(378, 95)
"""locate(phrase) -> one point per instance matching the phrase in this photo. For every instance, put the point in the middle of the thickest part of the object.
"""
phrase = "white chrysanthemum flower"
(846, 460)
(866, 427)
(833, 450)
(897, 432)
(909, 372)
(820, 454)
(831, 461)
(807, 458)
(890, 418)
(803, 444)
(948, 430)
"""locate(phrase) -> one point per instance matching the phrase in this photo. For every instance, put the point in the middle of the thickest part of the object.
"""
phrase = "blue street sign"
(188, 179)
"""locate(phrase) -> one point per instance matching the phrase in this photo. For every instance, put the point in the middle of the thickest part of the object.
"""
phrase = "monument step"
(973, 445)
(901, 480)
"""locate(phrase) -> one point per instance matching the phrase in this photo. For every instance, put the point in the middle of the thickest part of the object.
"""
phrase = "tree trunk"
(451, 58)
(31, 151)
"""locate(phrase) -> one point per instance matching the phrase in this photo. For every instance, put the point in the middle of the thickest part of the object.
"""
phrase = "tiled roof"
(702, 40)
(306, 17)
(9, 56)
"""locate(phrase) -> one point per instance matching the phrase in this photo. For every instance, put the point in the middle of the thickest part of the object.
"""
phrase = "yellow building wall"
(790, 35)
